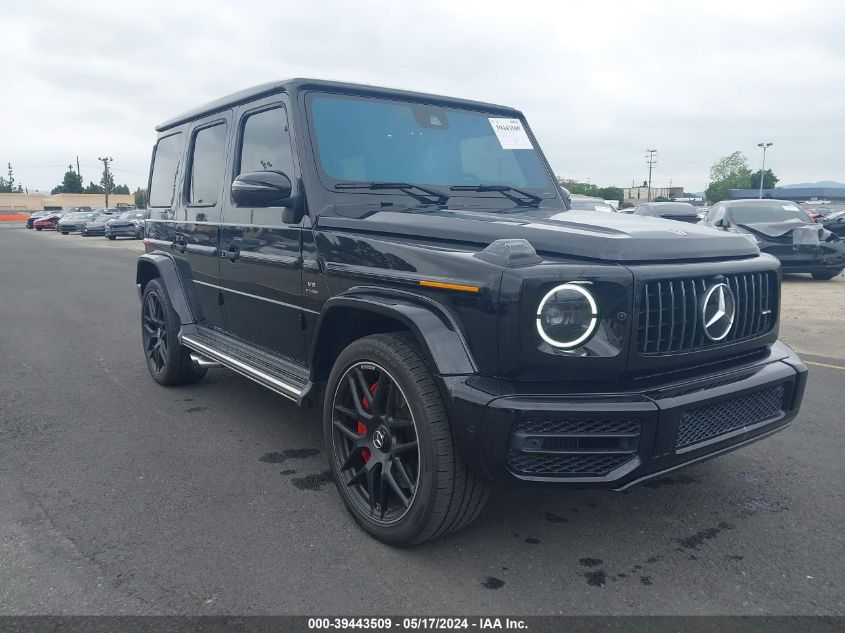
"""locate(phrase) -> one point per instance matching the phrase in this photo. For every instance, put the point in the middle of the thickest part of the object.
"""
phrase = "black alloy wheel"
(167, 359)
(389, 444)
(154, 333)
(375, 442)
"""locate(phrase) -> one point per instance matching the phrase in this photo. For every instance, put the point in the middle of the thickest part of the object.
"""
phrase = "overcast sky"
(598, 81)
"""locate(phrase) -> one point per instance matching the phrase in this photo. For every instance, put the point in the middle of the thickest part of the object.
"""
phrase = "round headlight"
(567, 316)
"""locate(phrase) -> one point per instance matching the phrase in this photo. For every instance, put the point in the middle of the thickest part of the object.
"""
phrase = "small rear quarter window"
(165, 167)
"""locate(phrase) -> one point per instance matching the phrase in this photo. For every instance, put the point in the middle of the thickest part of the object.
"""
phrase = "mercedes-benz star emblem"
(379, 438)
(718, 310)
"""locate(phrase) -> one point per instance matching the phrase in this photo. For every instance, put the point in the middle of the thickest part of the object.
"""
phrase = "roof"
(792, 194)
(293, 85)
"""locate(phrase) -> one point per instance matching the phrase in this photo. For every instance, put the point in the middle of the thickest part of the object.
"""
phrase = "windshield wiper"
(532, 200)
(404, 187)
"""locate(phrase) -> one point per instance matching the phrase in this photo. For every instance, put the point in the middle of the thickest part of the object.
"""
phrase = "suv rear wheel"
(167, 359)
(390, 446)
(826, 276)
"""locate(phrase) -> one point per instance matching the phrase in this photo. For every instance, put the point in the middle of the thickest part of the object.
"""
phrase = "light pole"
(651, 161)
(765, 146)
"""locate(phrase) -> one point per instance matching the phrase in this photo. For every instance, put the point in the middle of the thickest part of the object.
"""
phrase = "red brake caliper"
(362, 428)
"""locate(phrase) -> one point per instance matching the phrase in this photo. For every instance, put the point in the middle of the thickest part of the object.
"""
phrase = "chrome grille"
(670, 319)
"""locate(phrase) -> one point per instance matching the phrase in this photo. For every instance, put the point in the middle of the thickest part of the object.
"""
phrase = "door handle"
(232, 253)
(179, 243)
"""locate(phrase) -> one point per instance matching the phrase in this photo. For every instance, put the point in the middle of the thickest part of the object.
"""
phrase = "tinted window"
(382, 140)
(265, 144)
(163, 181)
(675, 208)
(207, 164)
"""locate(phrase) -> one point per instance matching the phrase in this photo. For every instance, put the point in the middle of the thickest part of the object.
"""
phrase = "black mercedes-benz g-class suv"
(407, 263)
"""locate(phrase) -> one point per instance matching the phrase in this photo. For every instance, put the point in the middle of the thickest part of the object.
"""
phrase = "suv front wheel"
(390, 446)
(167, 359)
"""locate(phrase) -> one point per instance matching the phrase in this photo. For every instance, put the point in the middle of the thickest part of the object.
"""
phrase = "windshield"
(766, 212)
(369, 140)
(131, 215)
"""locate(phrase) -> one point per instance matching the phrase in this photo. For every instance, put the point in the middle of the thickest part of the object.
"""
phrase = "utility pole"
(651, 161)
(79, 172)
(106, 176)
(765, 146)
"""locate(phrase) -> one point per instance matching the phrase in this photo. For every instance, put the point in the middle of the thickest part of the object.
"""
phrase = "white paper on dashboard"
(510, 133)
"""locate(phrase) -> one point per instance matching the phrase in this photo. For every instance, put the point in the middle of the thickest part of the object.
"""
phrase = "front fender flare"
(431, 324)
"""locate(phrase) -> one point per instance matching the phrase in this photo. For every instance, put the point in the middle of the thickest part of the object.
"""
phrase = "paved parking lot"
(120, 496)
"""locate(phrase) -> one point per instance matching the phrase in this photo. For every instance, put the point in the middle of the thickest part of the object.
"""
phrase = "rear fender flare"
(164, 267)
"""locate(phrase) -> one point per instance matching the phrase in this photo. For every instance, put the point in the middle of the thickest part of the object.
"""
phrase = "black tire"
(38, 228)
(111, 237)
(826, 276)
(168, 361)
(63, 232)
(447, 495)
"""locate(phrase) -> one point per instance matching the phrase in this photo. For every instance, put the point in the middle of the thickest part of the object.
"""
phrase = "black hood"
(584, 234)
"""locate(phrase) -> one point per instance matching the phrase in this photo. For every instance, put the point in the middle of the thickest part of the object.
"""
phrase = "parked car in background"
(97, 224)
(835, 223)
(588, 203)
(48, 221)
(127, 224)
(30, 221)
(780, 228)
(680, 211)
(73, 222)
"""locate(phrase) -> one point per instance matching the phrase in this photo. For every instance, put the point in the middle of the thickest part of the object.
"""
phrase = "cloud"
(598, 81)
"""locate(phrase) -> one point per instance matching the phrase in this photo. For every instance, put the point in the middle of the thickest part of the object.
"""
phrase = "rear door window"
(207, 165)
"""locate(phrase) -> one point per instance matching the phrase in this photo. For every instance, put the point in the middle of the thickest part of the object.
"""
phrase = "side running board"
(278, 374)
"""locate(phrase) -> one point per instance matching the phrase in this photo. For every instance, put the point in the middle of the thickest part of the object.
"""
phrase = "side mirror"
(268, 189)
(719, 224)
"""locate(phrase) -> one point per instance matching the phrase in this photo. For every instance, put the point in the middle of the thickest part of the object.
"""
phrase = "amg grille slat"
(672, 313)
(670, 318)
(659, 315)
(683, 312)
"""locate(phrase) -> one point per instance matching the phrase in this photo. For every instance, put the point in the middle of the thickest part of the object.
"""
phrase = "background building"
(29, 202)
(795, 194)
(635, 195)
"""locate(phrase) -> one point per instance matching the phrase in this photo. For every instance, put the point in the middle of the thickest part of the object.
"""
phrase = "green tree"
(124, 189)
(661, 199)
(140, 198)
(610, 193)
(71, 183)
(582, 189)
(769, 180)
(93, 188)
(729, 172)
(7, 185)
(107, 182)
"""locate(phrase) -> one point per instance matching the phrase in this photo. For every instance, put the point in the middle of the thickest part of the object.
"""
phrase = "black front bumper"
(614, 439)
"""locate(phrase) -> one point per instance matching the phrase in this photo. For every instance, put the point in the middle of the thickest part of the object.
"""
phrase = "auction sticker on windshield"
(510, 133)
